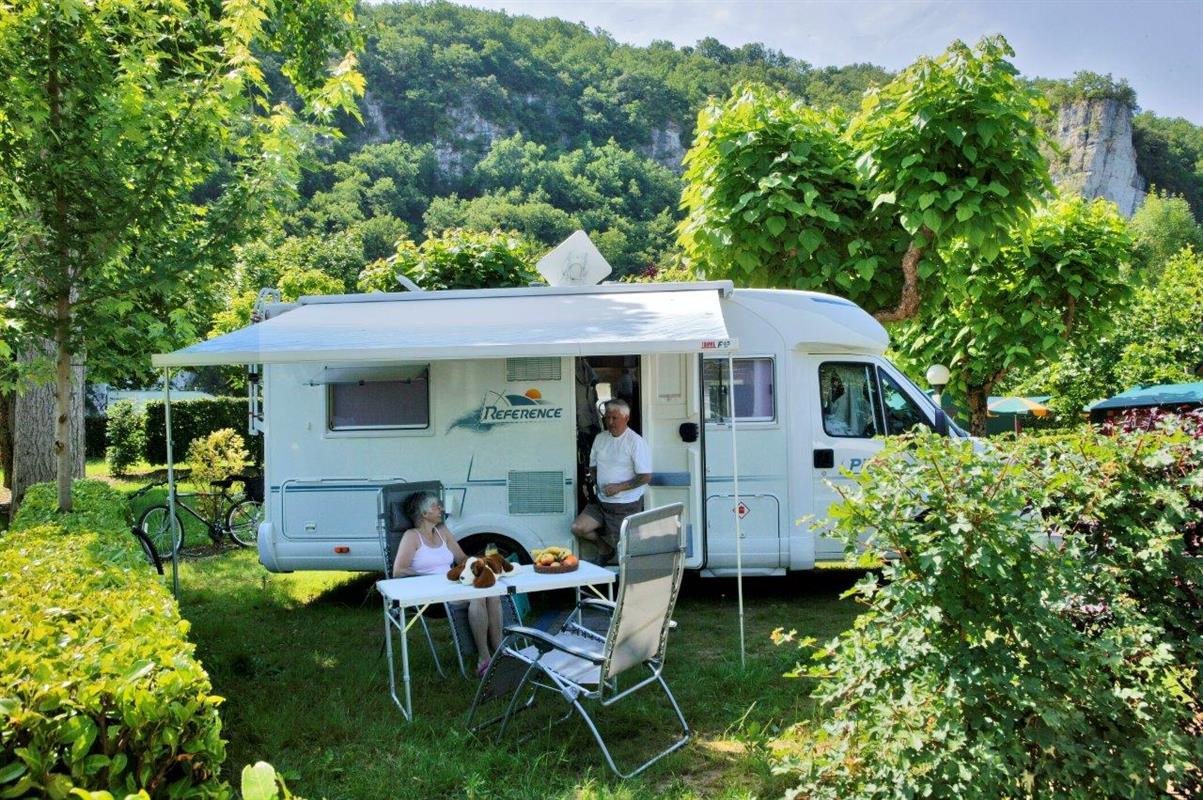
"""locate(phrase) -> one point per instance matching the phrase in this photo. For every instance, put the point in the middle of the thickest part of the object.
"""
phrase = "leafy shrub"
(193, 419)
(216, 457)
(456, 259)
(99, 687)
(988, 667)
(126, 434)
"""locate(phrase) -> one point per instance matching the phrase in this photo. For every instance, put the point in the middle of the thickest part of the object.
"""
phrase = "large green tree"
(947, 151)
(1157, 338)
(1059, 280)
(113, 113)
(1162, 226)
(920, 208)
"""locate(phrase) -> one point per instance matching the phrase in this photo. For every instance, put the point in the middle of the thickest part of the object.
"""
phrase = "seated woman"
(429, 548)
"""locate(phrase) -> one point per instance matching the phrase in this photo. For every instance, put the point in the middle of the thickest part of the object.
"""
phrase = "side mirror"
(688, 432)
(941, 422)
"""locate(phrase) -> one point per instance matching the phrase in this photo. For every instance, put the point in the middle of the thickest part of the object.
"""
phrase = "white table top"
(421, 589)
(525, 579)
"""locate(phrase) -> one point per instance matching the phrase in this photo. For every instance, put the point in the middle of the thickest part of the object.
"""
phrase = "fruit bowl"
(556, 570)
(554, 560)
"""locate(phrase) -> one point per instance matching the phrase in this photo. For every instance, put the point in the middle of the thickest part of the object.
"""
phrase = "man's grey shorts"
(611, 515)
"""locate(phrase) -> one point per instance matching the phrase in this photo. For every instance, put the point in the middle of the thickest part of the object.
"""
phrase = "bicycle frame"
(214, 524)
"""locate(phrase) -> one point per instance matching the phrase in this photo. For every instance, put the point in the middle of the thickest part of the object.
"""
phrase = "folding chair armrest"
(597, 604)
(609, 606)
(544, 642)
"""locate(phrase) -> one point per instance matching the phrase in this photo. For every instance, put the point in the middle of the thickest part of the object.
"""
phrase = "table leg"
(407, 707)
(409, 703)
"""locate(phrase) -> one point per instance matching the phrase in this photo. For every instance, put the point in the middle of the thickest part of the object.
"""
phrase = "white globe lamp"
(937, 375)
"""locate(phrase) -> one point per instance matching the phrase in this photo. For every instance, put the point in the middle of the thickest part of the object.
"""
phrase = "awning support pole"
(175, 555)
(739, 534)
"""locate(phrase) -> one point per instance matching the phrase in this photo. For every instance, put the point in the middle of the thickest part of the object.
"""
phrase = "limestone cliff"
(665, 147)
(1098, 159)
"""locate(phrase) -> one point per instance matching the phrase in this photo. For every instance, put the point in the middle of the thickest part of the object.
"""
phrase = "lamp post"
(937, 375)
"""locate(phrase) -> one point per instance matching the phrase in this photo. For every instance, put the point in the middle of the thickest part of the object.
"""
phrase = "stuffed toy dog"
(480, 572)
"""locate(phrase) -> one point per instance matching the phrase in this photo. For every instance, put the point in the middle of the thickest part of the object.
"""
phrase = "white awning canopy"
(502, 323)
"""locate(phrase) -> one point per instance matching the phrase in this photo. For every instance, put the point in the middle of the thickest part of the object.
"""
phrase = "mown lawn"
(299, 660)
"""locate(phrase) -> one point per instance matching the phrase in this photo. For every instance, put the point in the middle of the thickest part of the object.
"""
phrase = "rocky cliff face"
(665, 147)
(1099, 159)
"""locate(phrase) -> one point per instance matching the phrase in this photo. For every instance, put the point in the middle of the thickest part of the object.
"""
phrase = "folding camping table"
(423, 590)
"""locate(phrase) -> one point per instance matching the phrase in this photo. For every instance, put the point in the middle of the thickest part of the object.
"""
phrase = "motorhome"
(753, 401)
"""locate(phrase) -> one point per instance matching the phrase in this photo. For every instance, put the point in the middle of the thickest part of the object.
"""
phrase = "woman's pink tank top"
(431, 560)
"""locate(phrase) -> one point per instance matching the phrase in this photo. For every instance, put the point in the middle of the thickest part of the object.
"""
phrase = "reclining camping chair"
(394, 522)
(580, 665)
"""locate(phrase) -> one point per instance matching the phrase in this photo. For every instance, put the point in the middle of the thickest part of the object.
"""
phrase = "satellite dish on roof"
(574, 262)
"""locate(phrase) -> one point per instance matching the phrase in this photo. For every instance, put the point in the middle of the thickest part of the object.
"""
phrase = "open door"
(672, 418)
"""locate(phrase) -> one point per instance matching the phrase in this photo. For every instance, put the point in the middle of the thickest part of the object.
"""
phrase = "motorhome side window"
(753, 387)
(380, 404)
(848, 399)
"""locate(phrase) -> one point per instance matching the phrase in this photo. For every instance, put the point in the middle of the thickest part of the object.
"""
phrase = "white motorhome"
(494, 394)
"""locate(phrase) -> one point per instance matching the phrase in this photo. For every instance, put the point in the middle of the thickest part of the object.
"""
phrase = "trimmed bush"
(98, 507)
(99, 687)
(126, 434)
(95, 440)
(194, 419)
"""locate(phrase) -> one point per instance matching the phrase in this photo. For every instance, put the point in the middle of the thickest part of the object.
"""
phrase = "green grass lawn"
(299, 660)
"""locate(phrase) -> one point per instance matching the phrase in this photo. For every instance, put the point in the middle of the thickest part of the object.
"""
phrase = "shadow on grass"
(300, 661)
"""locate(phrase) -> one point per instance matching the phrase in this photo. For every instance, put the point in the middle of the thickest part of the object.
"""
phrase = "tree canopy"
(946, 151)
(113, 113)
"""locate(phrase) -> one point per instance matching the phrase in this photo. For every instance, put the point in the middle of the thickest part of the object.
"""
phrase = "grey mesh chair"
(394, 522)
(580, 665)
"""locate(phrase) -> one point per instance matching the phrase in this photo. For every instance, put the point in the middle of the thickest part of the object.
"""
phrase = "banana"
(556, 553)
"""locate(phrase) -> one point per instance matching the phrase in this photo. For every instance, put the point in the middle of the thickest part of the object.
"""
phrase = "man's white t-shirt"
(618, 459)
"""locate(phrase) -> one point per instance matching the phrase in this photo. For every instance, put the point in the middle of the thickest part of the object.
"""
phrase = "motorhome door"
(671, 419)
(843, 439)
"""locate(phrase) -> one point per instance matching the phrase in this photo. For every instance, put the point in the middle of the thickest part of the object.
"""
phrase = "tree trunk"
(979, 398)
(34, 422)
(908, 300)
(6, 437)
(64, 404)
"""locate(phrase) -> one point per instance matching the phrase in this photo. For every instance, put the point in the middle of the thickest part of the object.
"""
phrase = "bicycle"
(237, 516)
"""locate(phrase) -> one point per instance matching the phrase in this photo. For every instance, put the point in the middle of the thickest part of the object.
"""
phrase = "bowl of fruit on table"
(554, 559)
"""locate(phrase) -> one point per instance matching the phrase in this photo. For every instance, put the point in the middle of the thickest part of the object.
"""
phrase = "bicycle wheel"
(163, 537)
(242, 521)
(148, 549)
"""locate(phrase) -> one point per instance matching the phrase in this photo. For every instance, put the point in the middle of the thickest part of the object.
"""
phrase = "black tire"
(148, 549)
(475, 545)
(153, 523)
(242, 521)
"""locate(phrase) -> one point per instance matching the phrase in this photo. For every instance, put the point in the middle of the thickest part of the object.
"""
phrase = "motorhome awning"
(596, 320)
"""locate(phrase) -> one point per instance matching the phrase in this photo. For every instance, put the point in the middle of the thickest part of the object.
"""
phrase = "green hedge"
(195, 419)
(99, 686)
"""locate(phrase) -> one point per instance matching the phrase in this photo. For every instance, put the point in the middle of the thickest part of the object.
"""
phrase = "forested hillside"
(481, 120)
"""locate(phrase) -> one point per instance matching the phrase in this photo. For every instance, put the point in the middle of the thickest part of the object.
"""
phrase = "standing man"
(620, 466)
